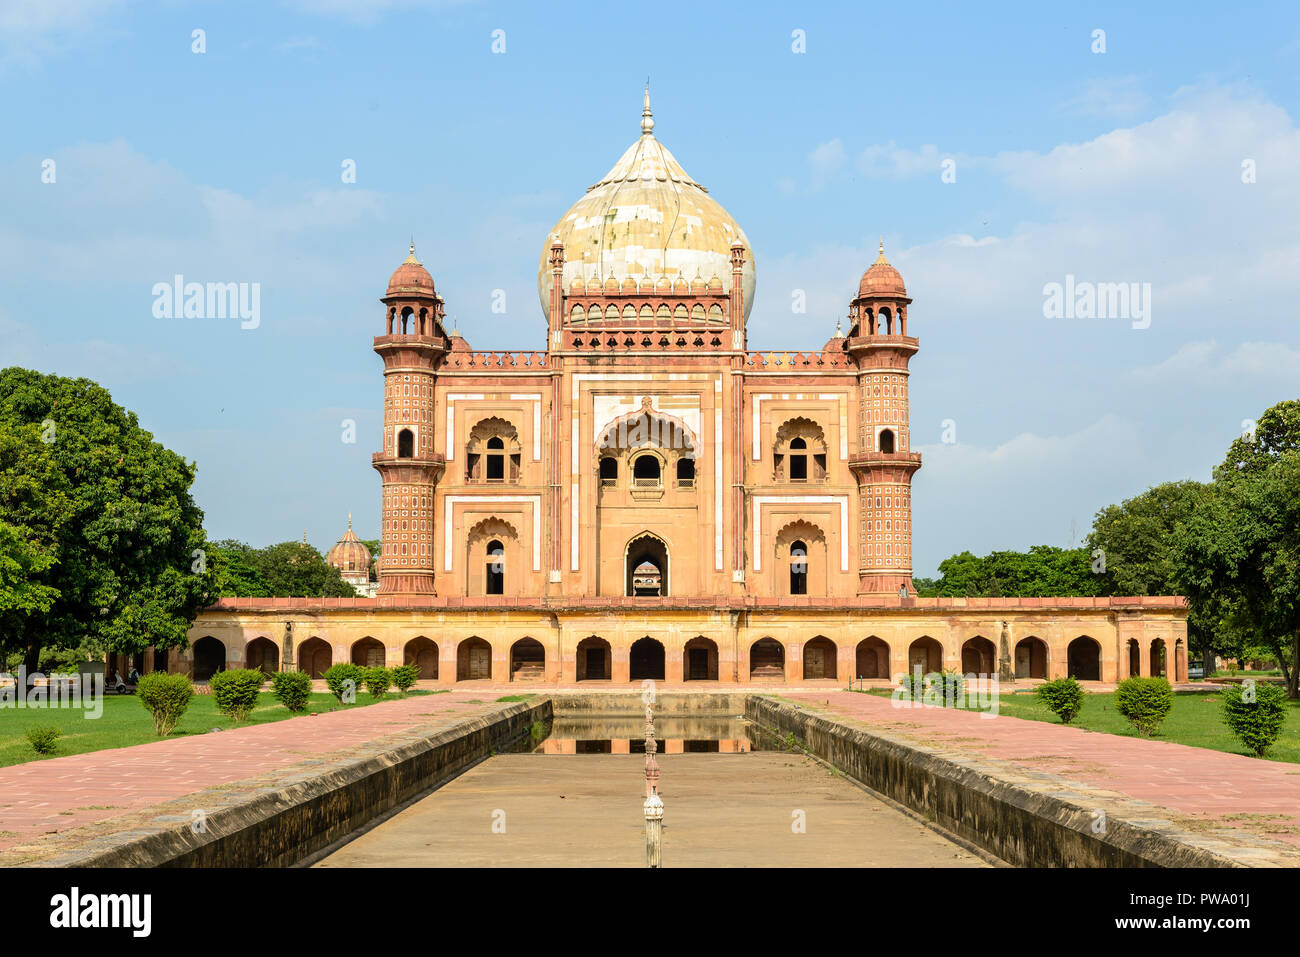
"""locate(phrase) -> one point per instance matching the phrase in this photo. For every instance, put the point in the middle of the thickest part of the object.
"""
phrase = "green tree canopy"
(1043, 571)
(286, 570)
(105, 528)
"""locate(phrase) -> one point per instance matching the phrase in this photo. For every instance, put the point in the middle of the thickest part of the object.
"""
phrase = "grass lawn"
(125, 721)
(1196, 719)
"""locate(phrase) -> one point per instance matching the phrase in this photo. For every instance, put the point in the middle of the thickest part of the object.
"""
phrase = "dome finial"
(647, 118)
(881, 258)
(411, 257)
(349, 520)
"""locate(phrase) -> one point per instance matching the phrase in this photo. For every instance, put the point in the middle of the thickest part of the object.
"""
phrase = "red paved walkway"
(1263, 797)
(41, 797)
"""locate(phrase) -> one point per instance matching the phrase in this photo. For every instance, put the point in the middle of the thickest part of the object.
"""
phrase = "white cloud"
(1116, 96)
(826, 160)
(1204, 363)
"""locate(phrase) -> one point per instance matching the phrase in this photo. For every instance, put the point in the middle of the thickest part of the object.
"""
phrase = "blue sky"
(1122, 166)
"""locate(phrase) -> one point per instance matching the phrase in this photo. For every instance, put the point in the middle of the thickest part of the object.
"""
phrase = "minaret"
(409, 467)
(883, 461)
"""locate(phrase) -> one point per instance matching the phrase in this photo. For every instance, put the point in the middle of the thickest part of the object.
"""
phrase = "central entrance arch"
(646, 660)
(593, 659)
(766, 659)
(646, 549)
(701, 659)
(209, 657)
(315, 657)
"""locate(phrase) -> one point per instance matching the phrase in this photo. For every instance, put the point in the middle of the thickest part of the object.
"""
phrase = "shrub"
(337, 676)
(165, 696)
(1064, 698)
(235, 692)
(1145, 702)
(292, 689)
(378, 681)
(914, 684)
(948, 686)
(1258, 723)
(405, 676)
(43, 738)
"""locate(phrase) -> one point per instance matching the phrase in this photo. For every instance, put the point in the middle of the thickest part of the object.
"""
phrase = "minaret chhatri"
(412, 348)
(883, 462)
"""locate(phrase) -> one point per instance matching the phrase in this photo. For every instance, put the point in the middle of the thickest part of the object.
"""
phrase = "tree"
(110, 508)
(1238, 557)
(234, 572)
(298, 570)
(1276, 432)
(1043, 571)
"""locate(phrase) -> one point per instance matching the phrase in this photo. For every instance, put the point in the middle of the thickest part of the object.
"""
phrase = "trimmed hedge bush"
(1258, 723)
(378, 681)
(404, 677)
(235, 692)
(336, 679)
(165, 696)
(1145, 702)
(292, 689)
(43, 738)
(1064, 698)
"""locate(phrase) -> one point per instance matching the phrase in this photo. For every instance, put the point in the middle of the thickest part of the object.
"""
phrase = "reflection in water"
(586, 733)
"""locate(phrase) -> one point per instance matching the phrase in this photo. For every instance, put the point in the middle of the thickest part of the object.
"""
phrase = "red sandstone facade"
(647, 476)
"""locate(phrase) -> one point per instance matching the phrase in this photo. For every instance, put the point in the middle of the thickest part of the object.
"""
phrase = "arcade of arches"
(675, 645)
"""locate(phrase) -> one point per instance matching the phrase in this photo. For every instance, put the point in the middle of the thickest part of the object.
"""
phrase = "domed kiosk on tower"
(351, 557)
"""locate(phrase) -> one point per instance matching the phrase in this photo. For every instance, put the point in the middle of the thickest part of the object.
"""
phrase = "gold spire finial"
(839, 334)
(881, 258)
(647, 118)
(349, 520)
(411, 258)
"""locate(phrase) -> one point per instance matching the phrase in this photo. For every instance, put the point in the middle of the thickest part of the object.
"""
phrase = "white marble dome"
(646, 219)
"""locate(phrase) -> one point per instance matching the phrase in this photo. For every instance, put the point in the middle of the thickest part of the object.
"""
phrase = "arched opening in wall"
(1083, 659)
(593, 659)
(646, 660)
(1031, 658)
(474, 660)
(608, 471)
(494, 570)
(647, 566)
(978, 657)
(262, 655)
(872, 658)
(766, 659)
(884, 322)
(405, 444)
(798, 567)
(925, 653)
(686, 472)
(209, 657)
(315, 657)
(422, 653)
(160, 657)
(887, 441)
(701, 659)
(646, 472)
(798, 460)
(1134, 658)
(408, 315)
(368, 653)
(527, 660)
(1158, 659)
(819, 656)
(496, 459)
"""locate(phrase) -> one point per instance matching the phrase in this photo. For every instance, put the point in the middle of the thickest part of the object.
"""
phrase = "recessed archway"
(1083, 659)
(872, 658)
(766, 659)
(368, 653)
(593, 659)
(701, 660)
(527, 660)
(1031, 658)
(474, 660)
(978, 656)
(1134, 658)
(819, 656)
(646, 660)
(1158, 658)
(209, 657)
(315, 657)
(262, 655)
(422, 653)
(925, 653)
(647, 549)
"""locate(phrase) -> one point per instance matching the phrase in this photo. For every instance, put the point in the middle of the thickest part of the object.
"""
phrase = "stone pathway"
(1208, 788)
(46, 797)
